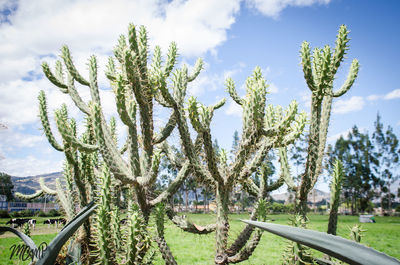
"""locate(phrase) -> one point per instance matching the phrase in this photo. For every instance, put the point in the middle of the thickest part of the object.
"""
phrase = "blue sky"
(231, 36)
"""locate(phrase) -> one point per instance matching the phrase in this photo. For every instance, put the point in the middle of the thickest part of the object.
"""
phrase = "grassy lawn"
(384, 235)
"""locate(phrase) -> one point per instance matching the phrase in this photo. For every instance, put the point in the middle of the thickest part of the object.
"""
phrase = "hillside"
(29, 185)
(315, 196)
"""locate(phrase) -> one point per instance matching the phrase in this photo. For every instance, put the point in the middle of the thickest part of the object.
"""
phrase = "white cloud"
(34, 31)
(11, 138)
(233, 109)
(211, 82)
(333, 138)
(354, 103)
(272, 8)
(273, 89)
(38, 28)
(393, 94)
(373, 97)
(29, 166)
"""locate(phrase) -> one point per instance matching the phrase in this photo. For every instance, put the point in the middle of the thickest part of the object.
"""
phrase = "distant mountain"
(315, 196)
(30, 184)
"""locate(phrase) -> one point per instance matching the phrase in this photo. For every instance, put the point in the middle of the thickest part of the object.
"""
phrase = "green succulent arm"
(325, 118)
(46, 189)
(171, 59)
(336, 185)
(62, 197)
(351, 77)
(162, 244)
(306, 63)
(35, 195)
(263, 148)
(56, 81)
(166, 131)
(285, 168)
(151, 175)
(108, 149)
(242, 155)
(196, 71)
(243, 237)
(66, 56)
(341, 46)
(248, 249)
(45, 122)
(276, 123)
(174, 185)
(172, 158)
(124, 148)
(230, 87)
(76, 98)
(188, 146)
(242, 248)
(251, 187)
(120, 99)
(67, 134)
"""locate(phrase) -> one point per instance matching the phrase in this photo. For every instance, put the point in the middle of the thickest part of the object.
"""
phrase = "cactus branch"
(66, 56)
(45, 121)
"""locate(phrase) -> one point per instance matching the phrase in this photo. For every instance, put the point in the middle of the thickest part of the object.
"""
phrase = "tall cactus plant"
(139, 85)
(319, 72)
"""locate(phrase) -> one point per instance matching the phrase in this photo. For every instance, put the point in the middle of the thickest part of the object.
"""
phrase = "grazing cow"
(51, 222)
(55, 221)
(17, 222)
(32, 223)
(62, 221)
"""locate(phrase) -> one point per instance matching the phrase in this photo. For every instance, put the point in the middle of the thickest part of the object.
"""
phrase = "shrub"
(41, 214)
(4, 214)
(53, 213)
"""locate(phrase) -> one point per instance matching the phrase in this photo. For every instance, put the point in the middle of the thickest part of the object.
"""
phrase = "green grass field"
(384, 235)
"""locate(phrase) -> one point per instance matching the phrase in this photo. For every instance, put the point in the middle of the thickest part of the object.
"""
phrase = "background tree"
(387, 153)
(356, 154)
(6, 186)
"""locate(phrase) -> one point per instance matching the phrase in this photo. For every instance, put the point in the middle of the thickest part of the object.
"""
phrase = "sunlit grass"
(384, 235)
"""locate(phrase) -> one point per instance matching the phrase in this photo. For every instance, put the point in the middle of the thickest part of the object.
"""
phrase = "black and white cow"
(55, 221)
(32, 223)
(18, 222)
(62, 221)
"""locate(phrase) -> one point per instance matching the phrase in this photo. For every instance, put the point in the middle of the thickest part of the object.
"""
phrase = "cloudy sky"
(232, 36)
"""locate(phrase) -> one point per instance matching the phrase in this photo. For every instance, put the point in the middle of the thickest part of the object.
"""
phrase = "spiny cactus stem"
(222, 199)
(351, 77)
(325, 118)
(210, 156)
(71, 67)
(53, 79)
(166, 131)
(76, 98)
(336, 184)
(264, 147)
(175, 184)
(35, 195)
(108, 150)
(45, 121)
